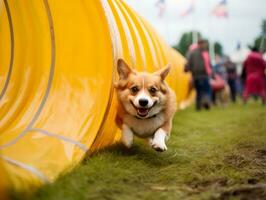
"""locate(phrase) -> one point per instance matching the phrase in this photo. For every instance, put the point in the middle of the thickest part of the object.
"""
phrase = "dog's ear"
(164, 72)
(123, 69)
(120, 84)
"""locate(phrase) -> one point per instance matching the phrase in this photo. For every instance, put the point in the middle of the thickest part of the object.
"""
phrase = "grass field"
(220, 154)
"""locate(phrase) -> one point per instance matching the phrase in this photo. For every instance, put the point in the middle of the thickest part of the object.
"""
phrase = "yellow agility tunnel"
(57, 68)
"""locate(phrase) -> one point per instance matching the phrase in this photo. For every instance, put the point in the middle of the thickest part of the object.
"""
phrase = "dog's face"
(142, 95)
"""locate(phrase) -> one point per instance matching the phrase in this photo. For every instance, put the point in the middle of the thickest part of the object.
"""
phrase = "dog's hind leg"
(127, 136)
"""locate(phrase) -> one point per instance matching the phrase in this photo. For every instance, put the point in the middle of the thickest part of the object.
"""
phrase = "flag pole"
(212, 51)
(211, 43)
(195, 38)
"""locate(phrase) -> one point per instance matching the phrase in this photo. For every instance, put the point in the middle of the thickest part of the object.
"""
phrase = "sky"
(242, 25)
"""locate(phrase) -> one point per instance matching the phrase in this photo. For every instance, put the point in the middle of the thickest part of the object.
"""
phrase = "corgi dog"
(146, 105)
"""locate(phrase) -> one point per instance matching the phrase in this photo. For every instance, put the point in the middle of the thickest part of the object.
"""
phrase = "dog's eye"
(152, 90)
(134, 89)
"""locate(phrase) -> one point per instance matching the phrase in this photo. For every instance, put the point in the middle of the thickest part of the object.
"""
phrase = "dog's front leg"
(127, 136)
(158, 142)
(161, 135)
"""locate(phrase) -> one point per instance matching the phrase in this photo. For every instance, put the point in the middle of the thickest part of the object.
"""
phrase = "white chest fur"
(144, 127)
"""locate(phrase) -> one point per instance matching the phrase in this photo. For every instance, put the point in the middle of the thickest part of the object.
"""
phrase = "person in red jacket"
(254, 75)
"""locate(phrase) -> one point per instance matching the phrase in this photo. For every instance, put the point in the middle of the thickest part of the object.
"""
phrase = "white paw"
(158, 142)
(159, 146)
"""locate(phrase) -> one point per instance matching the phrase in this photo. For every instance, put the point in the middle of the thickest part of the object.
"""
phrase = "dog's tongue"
(143, 111)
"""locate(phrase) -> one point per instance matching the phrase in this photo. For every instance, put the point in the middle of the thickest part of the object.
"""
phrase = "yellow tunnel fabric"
(57, 69)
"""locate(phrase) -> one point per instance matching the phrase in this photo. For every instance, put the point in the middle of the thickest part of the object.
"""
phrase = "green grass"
(220, 154)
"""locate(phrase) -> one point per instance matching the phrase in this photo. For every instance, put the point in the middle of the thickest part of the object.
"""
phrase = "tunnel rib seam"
(26, 167)
(61, 137)
(11, 62)
(50, 80)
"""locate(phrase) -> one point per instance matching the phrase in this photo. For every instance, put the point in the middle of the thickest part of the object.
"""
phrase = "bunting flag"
(189, 10)
(221, 10)
(161, 5)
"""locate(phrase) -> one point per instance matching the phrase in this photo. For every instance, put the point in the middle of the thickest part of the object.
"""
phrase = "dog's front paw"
(159, 145)
(158, 142)
(127, 143)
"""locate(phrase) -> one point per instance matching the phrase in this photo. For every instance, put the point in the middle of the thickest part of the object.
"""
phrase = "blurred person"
(220, 88)
(198, 63)
(254, 76)
(231, 78)
(238, 57)
(219, 67)
(218, 73)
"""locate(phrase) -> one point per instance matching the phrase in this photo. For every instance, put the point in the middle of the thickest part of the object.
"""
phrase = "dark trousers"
(232, 85)
(203, 91)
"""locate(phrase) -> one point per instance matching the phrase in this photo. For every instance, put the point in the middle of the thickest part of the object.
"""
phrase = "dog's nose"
(143, 102)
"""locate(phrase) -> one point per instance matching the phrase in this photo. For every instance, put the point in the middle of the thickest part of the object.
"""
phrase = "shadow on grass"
(139, 152)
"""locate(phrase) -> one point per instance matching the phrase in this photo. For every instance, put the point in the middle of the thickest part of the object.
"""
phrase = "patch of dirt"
(261, 154)
(182, 188)
(260, 174)
(237, 160)
(206, 184)
(245, 192)
(245, 157)
(252, 181)
(253, 161)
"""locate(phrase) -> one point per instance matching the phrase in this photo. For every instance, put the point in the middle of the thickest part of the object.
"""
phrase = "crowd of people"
(223, 82)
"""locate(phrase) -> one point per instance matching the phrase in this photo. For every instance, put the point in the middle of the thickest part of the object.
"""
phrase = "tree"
(260, 41)
(263, 27)
(218, 48)
(185, 41)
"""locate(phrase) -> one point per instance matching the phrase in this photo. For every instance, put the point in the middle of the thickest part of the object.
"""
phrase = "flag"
(161, 5)
(220, 10)
(189, 10)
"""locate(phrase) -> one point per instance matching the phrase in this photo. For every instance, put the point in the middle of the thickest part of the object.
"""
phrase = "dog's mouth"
(143, 112)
